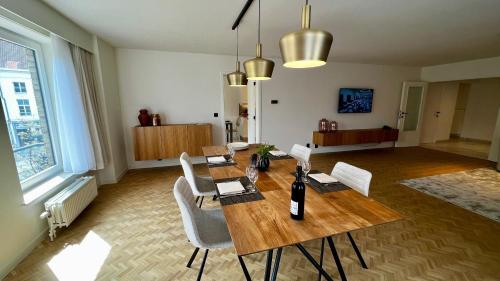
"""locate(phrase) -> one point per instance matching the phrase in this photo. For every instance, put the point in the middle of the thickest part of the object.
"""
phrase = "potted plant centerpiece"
(263, 160)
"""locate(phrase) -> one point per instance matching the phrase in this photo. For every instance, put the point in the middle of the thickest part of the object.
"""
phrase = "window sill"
(43, 190)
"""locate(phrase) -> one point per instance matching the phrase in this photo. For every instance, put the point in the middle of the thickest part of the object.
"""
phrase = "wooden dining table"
(266, 225)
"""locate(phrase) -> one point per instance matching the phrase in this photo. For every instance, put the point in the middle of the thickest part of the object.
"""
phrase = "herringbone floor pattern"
(140, 220)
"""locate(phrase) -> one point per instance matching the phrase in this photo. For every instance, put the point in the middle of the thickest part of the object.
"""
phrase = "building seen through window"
(24, 110)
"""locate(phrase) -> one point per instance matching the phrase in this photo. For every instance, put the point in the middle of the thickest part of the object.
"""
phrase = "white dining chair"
(359, 180)
(354, 177)
(201, 185)
(205, 228)
(300, 152)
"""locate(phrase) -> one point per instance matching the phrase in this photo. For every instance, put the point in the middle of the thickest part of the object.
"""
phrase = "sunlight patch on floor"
(81, 262)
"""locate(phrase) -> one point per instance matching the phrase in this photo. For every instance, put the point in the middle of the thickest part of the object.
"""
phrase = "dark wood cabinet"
(350, 137)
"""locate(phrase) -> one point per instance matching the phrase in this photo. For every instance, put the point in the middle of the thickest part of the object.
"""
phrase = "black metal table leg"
(245, 270)
(192, 257)
(358, 253)
(202, 265)
(311, 259)
(268, 265)
(276, 264)
(321, 257)
(336, 258)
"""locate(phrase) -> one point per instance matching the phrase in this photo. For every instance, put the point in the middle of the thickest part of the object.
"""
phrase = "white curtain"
(76, 144)
(85, 73)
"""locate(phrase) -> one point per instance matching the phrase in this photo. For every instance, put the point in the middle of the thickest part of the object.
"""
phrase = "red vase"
(143, 117)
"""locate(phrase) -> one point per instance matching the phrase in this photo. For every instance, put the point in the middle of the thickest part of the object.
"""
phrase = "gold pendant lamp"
(259, 68)
(237, 78)
(305, 48)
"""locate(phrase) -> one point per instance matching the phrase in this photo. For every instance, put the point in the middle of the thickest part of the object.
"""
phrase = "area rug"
(475, 190)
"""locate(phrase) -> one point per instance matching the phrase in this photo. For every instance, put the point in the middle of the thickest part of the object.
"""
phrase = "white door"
(431, 114)
(439, 109)
(410, 113)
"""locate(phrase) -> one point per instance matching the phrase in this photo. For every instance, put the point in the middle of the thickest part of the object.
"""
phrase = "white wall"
(305, 96)
(182, 87)
(186, 87)
(482, 109)
(473, 69)
(21, 228)
(40, 14)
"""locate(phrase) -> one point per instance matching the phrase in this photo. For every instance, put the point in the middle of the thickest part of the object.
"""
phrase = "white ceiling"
(402, 32)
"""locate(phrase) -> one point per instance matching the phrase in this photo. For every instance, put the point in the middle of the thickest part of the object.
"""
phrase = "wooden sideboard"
(350, 137)
(169, 141)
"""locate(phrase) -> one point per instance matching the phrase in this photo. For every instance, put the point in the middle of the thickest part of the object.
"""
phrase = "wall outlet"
(216, 114)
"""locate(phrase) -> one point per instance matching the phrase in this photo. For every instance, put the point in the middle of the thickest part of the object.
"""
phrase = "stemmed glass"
(231, 151)
(253, 175)
(306, 168)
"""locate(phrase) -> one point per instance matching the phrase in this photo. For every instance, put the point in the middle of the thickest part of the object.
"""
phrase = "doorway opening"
(461, 117)
(235, 114)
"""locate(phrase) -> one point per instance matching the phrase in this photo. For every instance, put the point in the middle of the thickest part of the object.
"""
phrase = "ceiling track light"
(237, 78)
(259, 68)
(308, 47)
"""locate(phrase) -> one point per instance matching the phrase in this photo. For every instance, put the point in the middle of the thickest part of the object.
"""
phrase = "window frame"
(20, 88)
(35, 180)
(24, 108)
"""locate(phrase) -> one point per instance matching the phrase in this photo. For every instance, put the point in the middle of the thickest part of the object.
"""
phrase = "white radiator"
(66, 205)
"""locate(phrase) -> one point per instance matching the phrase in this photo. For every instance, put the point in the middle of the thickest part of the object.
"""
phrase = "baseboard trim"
(457, 137)
(5, 270)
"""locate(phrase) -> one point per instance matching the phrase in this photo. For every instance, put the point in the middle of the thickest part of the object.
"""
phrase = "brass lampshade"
(237, 78)
(259, 68)
(305, 48)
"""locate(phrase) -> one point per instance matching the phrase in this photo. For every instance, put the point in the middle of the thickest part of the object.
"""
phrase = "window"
(19, 87)
(24, 107)
(29, 121)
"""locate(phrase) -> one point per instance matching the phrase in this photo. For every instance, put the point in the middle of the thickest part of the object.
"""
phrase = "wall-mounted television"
(355, 100)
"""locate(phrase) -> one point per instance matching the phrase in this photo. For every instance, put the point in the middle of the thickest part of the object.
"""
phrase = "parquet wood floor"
(140, 220)
(471, 148)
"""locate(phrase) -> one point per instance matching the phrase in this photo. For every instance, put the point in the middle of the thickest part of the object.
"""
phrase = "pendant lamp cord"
(258, 33)
(237, 45)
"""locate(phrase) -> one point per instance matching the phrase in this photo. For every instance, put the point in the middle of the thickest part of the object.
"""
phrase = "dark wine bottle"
(298, 196)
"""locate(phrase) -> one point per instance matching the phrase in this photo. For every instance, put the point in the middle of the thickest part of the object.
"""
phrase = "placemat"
(215, 165)
(272, 157)
(241, 198)
(324, 187)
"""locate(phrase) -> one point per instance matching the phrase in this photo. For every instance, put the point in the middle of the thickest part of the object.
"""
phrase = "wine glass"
(306, 168)
(253, 175)
(231, 150)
